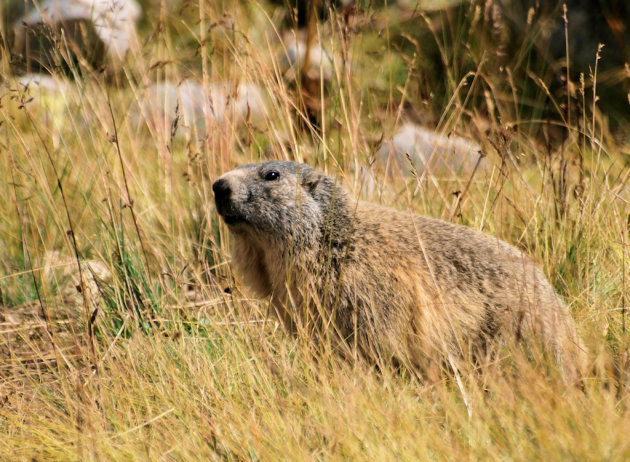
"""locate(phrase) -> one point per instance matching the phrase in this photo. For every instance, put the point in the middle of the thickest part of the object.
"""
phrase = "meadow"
(124, 335)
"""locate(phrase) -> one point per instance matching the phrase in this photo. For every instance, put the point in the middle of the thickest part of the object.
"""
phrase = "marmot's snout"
(222, 192)
(223, 201)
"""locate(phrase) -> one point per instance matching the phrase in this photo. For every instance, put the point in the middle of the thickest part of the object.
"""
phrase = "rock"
(42, 83)
(42, 94)
(293, 55)
(429, 152)
(221, 103)
(307, 67)
(62, 271)
(93, 31)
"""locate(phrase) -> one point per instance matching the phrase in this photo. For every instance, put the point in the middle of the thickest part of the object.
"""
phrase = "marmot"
(387, 284)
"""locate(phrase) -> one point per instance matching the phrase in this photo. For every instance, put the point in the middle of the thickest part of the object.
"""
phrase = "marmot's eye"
(272, 175)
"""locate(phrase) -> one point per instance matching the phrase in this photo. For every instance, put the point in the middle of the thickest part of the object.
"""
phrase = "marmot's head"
(277, 200)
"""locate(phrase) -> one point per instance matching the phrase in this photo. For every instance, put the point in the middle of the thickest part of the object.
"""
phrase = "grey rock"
(51, 93)
(43, 83)
(293, 55)
(221, 103)
(421, 149)
(96, 30)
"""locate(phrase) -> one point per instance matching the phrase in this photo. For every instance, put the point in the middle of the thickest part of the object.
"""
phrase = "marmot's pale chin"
(391, 285)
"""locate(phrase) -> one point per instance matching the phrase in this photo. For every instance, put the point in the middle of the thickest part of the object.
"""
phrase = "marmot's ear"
(311, 179)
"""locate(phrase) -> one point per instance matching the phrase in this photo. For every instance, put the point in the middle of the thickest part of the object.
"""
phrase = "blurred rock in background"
(193, 106)
(417, 149)
(295, 48)
(42, 83)
(66, 35)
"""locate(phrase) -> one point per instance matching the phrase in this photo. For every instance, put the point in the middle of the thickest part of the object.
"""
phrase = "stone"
(222, 103)
(61, 271)
(293, 55)
(61, 33)
(42, 83)
(429, 152)
(42, 94)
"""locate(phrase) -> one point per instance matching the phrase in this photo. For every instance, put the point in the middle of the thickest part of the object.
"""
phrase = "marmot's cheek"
(286, 194)
(240, 195)
(277, 198)
(261, 215)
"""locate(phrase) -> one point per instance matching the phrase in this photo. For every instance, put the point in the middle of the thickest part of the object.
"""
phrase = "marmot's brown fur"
(389, 284)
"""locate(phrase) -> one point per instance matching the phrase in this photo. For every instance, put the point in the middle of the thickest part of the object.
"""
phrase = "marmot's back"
(473, 286)
(391, 283)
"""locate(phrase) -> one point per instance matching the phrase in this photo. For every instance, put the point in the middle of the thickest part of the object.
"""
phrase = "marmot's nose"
(221, 190)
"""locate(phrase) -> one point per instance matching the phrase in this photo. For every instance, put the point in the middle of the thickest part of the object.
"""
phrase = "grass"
(154, 359)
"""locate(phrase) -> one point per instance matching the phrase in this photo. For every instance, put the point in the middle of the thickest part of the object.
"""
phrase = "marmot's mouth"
(229, 216)
(232, 219)
(227, 212)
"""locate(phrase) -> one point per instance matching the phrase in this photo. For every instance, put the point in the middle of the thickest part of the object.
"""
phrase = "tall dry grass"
(124, 336)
